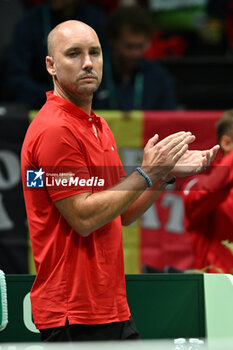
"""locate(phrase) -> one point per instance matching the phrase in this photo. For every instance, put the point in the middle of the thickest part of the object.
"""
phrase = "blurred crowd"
(138, 40)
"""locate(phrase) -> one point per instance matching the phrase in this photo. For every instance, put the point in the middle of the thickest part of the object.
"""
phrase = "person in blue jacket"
(28, 79)
(131, 82)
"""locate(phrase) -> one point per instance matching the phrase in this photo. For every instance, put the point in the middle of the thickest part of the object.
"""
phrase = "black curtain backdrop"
(13, 223)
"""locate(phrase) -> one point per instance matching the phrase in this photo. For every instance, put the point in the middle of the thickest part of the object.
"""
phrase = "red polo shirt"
(79, 278)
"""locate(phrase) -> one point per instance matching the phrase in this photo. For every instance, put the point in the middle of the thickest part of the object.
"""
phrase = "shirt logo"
(35, 178)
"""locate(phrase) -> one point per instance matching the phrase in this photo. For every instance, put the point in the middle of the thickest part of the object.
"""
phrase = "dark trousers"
(125, 330)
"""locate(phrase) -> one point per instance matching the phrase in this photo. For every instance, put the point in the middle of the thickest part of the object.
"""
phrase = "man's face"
(130, 46)
(226, 143)
(78, 61)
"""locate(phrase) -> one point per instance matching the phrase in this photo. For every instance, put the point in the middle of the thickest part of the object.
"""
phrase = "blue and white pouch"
(3, 302)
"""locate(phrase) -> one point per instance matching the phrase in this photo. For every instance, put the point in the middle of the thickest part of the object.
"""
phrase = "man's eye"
(94, 53)
(72, 54)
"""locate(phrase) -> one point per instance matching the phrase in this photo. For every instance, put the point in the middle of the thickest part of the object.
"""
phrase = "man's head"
(129, 30)
(74, 58)
(224, 128)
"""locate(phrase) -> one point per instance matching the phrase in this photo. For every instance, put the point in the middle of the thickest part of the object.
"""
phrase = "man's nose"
(87, 62)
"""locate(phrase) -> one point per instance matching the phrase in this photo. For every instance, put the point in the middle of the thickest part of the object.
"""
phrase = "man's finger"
(152, 141)
(179, 145)
(214, 151)
(180, 153)
(176, 143)
(211, 153)
(171, 138)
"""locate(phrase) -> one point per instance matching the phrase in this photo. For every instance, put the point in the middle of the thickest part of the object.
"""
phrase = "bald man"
(77, 196)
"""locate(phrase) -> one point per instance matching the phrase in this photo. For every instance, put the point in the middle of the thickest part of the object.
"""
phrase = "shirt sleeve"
(204, 193)
(60, 156)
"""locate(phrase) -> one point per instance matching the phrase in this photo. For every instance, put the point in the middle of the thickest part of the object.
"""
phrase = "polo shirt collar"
(69, 107)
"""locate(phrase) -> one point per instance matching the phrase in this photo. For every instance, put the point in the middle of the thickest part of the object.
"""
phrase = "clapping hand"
(194, 162)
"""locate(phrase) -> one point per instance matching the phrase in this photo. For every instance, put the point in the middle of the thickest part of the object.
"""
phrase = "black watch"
(172, 181)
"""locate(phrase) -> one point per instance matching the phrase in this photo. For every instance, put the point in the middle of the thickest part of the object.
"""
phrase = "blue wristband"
(148, 180)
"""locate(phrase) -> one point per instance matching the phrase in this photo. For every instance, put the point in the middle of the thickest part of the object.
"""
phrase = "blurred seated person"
(131, 82)
(208, 203)
(28, 78)
(213, 34)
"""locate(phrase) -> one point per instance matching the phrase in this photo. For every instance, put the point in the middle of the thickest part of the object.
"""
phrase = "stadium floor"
(220, 344)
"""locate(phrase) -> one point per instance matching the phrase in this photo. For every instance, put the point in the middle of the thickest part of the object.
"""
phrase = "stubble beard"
(88, 90)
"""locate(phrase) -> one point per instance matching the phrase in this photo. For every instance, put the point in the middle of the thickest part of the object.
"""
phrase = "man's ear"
(50, 65)
(226, 143)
